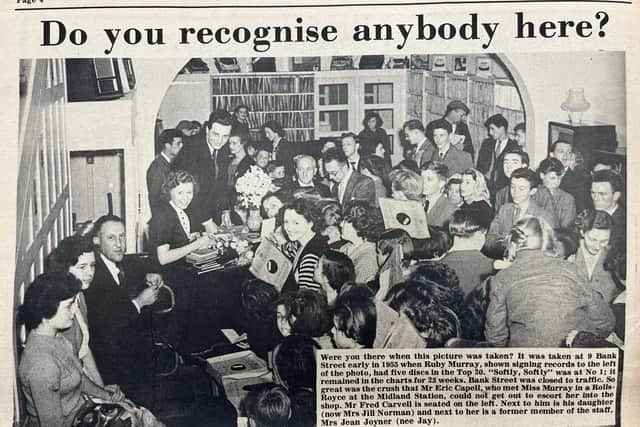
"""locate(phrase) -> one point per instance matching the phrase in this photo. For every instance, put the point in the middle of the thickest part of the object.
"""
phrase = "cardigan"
(538, 300)
(52, 381)
(301, 275)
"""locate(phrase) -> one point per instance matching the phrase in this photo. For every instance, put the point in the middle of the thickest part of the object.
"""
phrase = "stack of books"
(204, 261)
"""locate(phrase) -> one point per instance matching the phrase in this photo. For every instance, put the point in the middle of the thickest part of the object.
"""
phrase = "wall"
(189, 97)
(548, 76)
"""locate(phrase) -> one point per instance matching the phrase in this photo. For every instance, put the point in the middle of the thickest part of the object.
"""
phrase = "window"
(335, 94)
(378, 93)
(333, 121)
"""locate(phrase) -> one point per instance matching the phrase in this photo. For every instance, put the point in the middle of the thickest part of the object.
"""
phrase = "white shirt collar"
(445, 150)
(165, 157)
(612, 210)
(112, 267)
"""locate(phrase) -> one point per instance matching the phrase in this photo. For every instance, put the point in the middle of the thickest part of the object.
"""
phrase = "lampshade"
(575, 101)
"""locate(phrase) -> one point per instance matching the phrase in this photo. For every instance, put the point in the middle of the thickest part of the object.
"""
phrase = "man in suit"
(350, 185)
(424, 149)
(574, 181)
(491, 153)
(351, 149)
(171, 144)
(523, 184)
(457, 161)
(209, 162)
(118, 324)
(606, 189)
(460, 135)
(306, 176)
(437, 206)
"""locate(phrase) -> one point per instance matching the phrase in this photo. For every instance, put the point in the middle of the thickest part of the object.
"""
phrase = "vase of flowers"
(251, 188)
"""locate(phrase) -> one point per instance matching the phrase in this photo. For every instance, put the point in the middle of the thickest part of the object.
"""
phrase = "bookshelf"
(484, 96)
(285, 97)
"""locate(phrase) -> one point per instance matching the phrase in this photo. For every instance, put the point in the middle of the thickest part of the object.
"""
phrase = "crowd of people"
(515, 257)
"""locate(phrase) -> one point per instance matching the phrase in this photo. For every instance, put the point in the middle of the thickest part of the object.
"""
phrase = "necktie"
(214, 162)
(516, 214)
(441, 155)
(353, 165)
(121, 277)
(426, 205)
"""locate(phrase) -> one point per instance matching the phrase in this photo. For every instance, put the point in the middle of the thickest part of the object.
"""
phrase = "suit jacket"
(213, 196)
(503, 222)
(619, 227)
(441, 213)
(542, 197)
(491, 166)
(322, 189)
(427, 154)
(457, 161)
(285, 152)
(359, 187)
(564, 207)
(156, 174)
(461, 129)
(118, 340)
(600, 280)
(578, 184)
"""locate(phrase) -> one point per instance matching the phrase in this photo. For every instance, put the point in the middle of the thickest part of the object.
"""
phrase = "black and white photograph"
(192, 232)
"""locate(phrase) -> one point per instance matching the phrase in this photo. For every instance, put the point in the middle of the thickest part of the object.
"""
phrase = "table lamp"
(575, 104)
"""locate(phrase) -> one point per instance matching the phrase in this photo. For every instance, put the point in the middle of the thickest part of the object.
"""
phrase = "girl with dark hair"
(281, 149)
(594, 228)
(354, 321)
(171, 232)
(75, 255)
(334, 270)
(302, 223)
(302, 312)
(373, 138)
(50, 373)
(539, 299)
(362, 225)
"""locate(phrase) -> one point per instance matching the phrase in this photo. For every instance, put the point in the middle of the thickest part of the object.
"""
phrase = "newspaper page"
(97, 92)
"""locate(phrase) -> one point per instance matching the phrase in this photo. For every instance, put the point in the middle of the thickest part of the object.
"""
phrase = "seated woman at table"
(476, 197)
(302, 222)
(354, 321)
(171, 233)
(75, 255)
(539, 299)
(362, 225)
(50, 373)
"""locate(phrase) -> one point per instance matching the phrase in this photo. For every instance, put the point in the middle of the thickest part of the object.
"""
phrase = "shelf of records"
(233, 84)
(265, 102)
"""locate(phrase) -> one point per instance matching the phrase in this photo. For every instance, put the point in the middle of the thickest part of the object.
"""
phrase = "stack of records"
(205, 260)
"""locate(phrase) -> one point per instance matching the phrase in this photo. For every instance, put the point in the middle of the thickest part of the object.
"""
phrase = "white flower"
(252, 187)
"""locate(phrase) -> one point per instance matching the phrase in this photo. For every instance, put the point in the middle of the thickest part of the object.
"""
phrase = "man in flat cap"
(460, 136)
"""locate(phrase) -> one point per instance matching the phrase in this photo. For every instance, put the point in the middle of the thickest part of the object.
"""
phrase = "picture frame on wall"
(439, 63)
(460, 65)
(484, 66)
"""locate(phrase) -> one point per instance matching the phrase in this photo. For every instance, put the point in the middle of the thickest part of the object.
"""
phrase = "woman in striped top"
(302, 221)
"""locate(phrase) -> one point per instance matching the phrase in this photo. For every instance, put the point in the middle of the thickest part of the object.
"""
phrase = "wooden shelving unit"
(287, 98)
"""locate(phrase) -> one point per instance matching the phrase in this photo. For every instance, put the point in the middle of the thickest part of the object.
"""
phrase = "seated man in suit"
(351, 149)
(424, 149)
(515, 158)
(457, 161)
(171, 144)
(574, 180)
(350, 185)
(607, 187)
(491, 153)
(116, 299)
(208, 161)
(306, 175)
(460, 135)
(523, 185)
(438, 208)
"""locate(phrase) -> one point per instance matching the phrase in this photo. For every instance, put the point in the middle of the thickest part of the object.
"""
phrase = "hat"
(458, 105)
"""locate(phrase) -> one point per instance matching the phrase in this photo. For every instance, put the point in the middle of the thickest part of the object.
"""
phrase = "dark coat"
(285, 152)
(119, 342)
(369, 140)
(156, 174)
(491, 166)
(359, 187)
(578, 184)
(213, 196)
